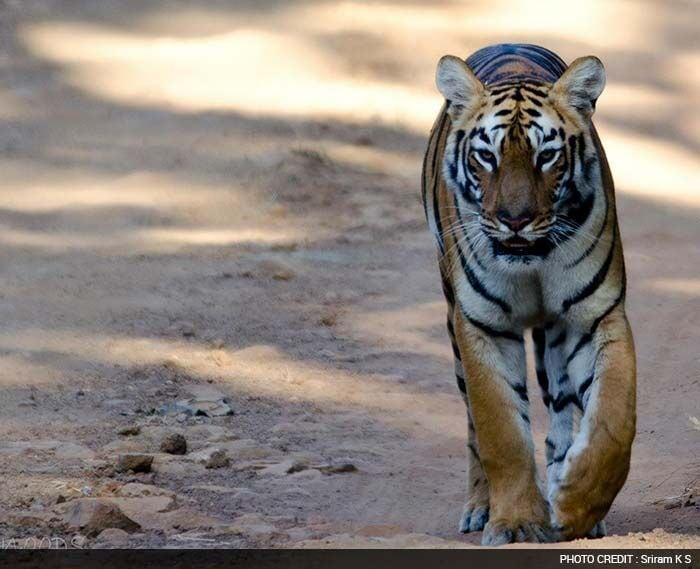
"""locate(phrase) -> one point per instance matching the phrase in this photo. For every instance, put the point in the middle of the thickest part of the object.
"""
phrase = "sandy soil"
(180, 224)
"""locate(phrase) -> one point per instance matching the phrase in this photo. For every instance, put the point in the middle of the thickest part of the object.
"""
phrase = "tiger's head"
(521, 156)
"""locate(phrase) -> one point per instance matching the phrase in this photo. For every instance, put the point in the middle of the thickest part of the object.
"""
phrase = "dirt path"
(164, 242)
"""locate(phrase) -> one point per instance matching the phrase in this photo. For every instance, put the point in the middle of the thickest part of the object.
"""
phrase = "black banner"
(352, 559)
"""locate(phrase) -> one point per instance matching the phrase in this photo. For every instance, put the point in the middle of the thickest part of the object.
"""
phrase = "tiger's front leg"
(596, 464)
(476, 508)
(494, 363)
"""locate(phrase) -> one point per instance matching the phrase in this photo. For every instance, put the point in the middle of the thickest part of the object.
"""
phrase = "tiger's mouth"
(520, 247)
(516, 242)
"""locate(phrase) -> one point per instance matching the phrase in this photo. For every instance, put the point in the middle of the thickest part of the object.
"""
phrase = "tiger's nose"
(516, 223)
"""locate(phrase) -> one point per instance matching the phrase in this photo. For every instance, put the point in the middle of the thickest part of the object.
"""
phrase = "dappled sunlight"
(400, 164)
(197, 74)
(590, 22)
(137, 212)
(292, 62)
(652, 167)
(147, 240)
(262, 370)
(683, 287)
(405, 328)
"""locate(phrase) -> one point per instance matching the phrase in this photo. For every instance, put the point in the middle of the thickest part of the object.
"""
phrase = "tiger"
(519, 197)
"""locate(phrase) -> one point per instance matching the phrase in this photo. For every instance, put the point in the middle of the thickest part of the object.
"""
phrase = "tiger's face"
(521, 157)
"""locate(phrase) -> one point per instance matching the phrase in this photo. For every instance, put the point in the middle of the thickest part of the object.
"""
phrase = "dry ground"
(220, 200)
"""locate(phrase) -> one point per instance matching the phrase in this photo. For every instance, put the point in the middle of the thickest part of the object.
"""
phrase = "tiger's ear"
(581, 85)
(457, 83)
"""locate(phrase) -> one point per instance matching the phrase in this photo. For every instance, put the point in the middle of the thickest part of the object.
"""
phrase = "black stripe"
(501, 99)
(521, 390)
(454, 167)
(595, 282)
(551, 136)
(448, 291)
(472, 251)
(589, 336)
(584, 387)
(424, 181)
(563, 401)
(585, 339)
(461, 385)
(558, 458)
(477, 285)
(436, 208)
(559, 340)
(538, 338)
(507, 334)
(590, 248)
(530, 125)
(534, 90)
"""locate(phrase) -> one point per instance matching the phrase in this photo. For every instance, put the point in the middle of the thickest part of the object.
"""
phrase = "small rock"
(197, 408)
(328, 319)
(278, 271)
(93, 516)
(283, 275)
(112, 537)
(174, 443)
(60, 499)
(184, 327)
(187, 329)
(338, 468)
(134, 463)
(217, 459)
(290, 466)
(218, 344)
(673, 503)
(129, 431)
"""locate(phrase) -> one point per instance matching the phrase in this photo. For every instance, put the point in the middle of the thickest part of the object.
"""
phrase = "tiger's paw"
(474, 518)
(501, 532)
(599, 530)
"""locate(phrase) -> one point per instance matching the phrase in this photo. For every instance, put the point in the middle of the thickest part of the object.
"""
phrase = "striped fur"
(519, 196)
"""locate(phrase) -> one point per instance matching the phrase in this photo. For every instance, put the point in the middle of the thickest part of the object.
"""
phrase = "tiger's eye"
(486, 155)
(546, 156)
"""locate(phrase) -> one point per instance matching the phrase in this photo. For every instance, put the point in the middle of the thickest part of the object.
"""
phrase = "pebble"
(198, 407)
(134, 463)
(93, 516)
(112, 537)
(174, 443)
(217, 459)
(290, 466)
(129, 431)
(338, 468)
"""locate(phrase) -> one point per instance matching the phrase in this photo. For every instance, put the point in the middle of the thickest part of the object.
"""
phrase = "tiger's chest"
(518, 300)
